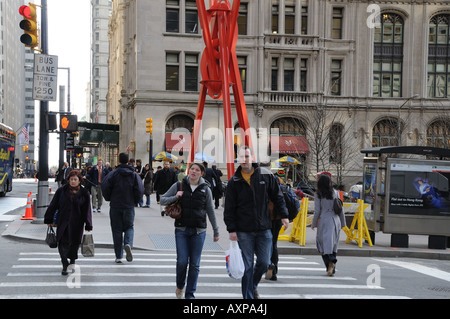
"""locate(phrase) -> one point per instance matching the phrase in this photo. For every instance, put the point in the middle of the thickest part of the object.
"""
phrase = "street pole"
(42, 195)
(150, 152)
(62, 135)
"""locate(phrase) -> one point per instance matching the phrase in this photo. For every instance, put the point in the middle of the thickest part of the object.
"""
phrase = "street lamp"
(398, 119)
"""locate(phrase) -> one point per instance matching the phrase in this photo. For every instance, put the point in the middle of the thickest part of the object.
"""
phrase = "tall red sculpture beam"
(220, 70)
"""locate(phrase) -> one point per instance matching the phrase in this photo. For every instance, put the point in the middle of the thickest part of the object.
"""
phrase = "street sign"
(45, 77)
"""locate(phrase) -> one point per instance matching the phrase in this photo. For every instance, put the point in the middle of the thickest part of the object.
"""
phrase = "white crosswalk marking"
(36, 275)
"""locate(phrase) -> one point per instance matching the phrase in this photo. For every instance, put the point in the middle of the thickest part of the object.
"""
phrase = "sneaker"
(94, 210)
(98, 210)
(179, 293)
(129, 256)
(118, 260)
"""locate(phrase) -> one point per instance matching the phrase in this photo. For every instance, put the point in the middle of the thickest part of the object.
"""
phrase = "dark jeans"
(189, 244)
(251, 244)
(122, 227)
(327, 258)
(276, 227)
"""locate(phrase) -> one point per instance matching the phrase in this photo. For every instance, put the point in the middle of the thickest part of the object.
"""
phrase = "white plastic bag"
(234, 261)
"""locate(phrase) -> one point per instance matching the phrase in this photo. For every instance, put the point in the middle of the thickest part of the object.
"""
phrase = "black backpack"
(292, 201)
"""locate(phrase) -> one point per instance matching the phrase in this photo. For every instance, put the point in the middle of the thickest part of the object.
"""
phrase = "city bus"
(7, 148)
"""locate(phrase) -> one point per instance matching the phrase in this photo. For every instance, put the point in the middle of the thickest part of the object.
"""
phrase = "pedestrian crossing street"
(37, 275)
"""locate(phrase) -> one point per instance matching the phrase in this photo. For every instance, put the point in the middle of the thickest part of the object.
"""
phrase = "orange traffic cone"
(28, 210)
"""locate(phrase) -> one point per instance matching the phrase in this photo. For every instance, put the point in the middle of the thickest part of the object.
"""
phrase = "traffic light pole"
(42, 196)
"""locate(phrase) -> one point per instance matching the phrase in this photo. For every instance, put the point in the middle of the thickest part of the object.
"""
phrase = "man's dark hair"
(123, 158)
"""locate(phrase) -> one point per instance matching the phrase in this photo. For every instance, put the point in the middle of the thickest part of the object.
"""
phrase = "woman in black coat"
(72, 201)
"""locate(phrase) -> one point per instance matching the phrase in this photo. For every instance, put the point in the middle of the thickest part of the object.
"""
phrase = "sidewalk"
(153, 232)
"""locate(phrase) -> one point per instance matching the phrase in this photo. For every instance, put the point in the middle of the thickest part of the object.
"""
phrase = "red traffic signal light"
(29, 25)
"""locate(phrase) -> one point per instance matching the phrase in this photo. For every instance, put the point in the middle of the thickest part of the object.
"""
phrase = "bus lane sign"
(45, 77)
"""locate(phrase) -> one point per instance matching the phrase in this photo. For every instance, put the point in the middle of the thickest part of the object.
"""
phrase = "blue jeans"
(122, 226)
(189, 250)
(141, 203)
(251, 243)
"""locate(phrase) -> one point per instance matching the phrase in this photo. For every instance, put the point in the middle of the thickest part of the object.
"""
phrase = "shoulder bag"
(51, 238)
(174, 210)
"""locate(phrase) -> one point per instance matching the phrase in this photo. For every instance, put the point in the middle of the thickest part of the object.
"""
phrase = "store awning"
(289, 145)
(178, 142)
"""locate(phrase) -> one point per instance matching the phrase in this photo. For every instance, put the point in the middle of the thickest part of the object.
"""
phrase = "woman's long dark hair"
(325, 187)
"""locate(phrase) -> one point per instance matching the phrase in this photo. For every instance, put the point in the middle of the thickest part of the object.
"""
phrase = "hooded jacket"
(247, 207)
(122, 187)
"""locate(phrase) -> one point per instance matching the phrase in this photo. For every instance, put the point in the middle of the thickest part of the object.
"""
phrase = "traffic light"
(149, 125)
(68, 123)
(29, 25)
(78, 152)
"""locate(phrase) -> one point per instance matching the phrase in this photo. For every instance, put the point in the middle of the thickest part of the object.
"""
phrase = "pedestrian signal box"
(68, 123)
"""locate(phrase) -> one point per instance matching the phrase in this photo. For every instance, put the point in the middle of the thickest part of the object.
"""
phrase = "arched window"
(289, 126)
(438, 84)
(180, 121)
(385, 133)
(388, 56)
(438, 134)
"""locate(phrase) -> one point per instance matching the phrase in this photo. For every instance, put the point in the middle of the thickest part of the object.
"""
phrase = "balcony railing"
(291, 40)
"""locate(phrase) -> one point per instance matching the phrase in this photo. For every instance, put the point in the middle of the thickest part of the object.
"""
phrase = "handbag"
(50, 239)
(174, 210)
(337, 205)
(234, 262)
(87, 245)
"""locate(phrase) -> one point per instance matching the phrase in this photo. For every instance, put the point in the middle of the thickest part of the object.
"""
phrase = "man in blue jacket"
(247, 217)
(123, 189)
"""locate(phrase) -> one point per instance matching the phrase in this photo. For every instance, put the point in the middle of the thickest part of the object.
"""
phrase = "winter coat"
(147, 179)
(164, 179)
(247, 208)
(123, 187)
(328, 224)
(74, 214)
(193, 211)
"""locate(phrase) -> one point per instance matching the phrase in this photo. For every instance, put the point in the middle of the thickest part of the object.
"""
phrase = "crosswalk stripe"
(236, 284)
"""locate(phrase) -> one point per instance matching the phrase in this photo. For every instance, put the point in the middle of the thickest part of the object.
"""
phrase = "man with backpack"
(291, 202)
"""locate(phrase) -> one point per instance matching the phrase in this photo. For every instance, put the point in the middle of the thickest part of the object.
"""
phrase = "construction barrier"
(298, 231)
(28, 211)
(362, 231)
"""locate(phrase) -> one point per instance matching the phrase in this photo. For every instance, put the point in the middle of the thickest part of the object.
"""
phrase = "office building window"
(275, 19)
(289, 20)
(289, 70)
(385, 133)
(438, 83)
(303, 75)
(304, 29)
(274, 85)
(242, 63)
(191, 72)
(336, 77)
(336, 27)
(191, 24)
(172, 71)
(172, 16)
(242, 19)
(388, 56)
(335, 147)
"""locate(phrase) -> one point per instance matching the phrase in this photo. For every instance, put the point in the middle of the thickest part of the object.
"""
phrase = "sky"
(69, 37)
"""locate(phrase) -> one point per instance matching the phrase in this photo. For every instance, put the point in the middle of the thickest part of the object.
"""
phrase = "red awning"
(178, 142)
(289, 145)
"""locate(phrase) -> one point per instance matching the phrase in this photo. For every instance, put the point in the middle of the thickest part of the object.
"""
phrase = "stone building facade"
(333, 76)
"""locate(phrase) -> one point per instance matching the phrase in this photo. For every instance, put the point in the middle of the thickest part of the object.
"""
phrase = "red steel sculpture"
(219, 69)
